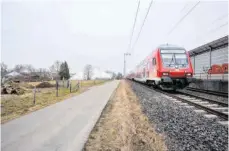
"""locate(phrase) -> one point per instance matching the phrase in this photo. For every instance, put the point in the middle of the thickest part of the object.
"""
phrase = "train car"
(168, 67)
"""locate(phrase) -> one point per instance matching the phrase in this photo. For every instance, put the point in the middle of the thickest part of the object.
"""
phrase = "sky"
(98, 32)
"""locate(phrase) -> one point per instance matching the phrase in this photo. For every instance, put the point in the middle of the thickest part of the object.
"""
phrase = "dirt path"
(123, 126)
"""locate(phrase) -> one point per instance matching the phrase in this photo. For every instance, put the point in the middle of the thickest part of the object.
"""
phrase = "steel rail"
(209, 110)
(217, 93)
(205, 99)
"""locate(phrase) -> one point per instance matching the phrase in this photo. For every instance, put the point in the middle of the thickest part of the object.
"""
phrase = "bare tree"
(88, 72)
(113, 75)
(4, 70)
(119, 76)
(22, 67)
(30, 68)
(44, 74)
(55, 69)
(19, 68)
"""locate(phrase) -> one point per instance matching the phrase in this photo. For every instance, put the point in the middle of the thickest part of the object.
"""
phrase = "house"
(14, 76)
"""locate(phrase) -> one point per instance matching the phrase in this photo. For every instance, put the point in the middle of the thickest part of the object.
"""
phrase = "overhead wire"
(214, 30)
(142, 24)
(184, 7)
(220, 18)
(174, 27)
(132, 33)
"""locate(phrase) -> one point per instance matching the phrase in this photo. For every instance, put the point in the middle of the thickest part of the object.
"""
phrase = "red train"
(168, 67)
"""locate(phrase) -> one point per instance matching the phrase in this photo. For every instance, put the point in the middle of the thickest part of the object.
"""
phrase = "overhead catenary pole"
(129, 46)
(124, 65)
(124, 69)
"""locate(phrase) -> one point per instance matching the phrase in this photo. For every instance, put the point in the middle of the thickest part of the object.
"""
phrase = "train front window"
(181, 59)
(168, 60)
(172, 58)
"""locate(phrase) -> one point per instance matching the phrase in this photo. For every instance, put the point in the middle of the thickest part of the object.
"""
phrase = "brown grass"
(13, 106)
(124, 127)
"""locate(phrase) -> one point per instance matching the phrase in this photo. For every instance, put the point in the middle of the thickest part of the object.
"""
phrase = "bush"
(45, 85)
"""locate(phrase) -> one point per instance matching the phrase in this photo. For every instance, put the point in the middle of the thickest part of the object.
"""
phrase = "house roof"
(13, 74)
(24, 71)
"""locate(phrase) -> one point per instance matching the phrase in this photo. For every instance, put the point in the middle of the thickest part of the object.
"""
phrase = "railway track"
(202, 98)
(217, 93)
(215, 108)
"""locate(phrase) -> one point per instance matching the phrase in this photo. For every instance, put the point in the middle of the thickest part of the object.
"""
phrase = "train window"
(181, 59)
(168, 60)
(172, 51)
(154, 61)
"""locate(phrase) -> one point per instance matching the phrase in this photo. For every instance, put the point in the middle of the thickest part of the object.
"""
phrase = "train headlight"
(188, 74)
(165, 74)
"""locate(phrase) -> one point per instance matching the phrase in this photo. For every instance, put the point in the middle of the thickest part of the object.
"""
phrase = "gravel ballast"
(183, 128)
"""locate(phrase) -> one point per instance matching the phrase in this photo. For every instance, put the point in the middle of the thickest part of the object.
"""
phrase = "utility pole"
(124, 69)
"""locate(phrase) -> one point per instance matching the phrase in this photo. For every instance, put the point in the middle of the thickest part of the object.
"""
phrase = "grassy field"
(13, 106)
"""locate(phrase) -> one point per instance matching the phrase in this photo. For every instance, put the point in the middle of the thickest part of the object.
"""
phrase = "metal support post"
(124, 69)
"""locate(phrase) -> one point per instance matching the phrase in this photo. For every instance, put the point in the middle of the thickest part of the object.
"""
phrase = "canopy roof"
(216, 44)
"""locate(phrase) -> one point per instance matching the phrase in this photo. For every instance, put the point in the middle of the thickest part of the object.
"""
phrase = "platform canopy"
(216, 44)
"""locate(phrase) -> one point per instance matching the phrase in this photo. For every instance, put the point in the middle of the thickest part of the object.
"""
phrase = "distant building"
(77, 76)
(96, 74)
(15, 76)
(28, 76)
(99, 74)
(54, 76)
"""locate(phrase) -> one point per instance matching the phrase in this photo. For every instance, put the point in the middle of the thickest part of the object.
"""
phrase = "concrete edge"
(98, 116)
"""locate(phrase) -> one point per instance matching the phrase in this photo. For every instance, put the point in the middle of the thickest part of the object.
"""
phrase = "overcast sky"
(98, 31)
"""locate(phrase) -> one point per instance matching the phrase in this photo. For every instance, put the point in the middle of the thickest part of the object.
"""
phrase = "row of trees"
(114, 75)
(58, 70)
(61, 69)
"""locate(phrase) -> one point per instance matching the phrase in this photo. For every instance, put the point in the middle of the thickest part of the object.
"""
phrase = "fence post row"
(34, 95)
(68, 84)
(56, 88)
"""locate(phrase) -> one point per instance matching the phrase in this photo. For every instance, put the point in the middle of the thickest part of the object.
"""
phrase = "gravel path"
(207, 96)
(184, 129)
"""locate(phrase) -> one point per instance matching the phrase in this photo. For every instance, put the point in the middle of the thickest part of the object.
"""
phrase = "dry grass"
(124, 127)
(82, 82)
(88, 82)
(13, 106)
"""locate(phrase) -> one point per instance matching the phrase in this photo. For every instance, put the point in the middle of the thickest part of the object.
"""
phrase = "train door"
(144, 72)
(148, 69)
(154, 73)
